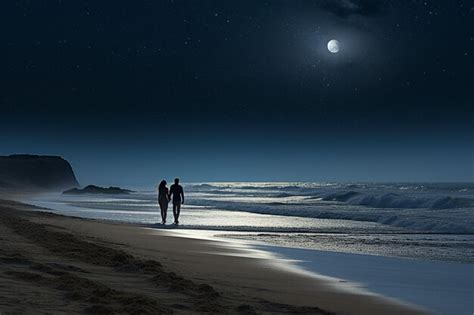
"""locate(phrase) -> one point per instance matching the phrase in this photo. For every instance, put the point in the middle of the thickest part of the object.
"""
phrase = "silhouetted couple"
(176, 194)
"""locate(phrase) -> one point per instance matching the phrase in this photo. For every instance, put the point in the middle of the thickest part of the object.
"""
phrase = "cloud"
(346, 8)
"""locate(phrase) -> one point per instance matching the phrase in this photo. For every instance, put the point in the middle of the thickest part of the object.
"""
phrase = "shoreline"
(324, 239)
(232, 283)
(445, 287)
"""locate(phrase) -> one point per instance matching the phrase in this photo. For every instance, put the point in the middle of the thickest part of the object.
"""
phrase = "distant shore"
(58, 264)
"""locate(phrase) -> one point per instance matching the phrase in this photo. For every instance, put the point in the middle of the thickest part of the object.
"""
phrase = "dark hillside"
(36, 172)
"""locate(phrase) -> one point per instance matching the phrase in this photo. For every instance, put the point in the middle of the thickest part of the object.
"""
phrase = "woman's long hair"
(162, 186)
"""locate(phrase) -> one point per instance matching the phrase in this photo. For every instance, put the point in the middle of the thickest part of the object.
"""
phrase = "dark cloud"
(346, 8)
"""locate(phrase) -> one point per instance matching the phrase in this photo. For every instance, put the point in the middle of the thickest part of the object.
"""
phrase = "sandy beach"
(57, 264)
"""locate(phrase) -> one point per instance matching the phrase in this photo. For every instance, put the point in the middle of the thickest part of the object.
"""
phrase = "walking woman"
(163, 200)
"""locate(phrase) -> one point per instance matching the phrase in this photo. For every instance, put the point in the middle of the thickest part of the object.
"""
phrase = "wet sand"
(57, 264)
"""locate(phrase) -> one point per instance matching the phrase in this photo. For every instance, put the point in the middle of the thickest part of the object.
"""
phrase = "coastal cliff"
(36, 172)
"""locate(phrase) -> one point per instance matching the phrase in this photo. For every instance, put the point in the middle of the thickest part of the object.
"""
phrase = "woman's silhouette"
(163, 200)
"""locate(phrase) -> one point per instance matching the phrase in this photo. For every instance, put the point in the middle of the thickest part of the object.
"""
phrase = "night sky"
(131, 92)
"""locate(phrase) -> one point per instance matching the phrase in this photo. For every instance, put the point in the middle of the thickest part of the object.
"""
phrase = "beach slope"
(57, 264)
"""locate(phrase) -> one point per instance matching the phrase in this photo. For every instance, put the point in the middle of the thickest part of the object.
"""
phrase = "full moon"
(333, 46)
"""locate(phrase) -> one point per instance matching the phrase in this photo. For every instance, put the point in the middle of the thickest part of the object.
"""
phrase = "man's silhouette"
(177, 195)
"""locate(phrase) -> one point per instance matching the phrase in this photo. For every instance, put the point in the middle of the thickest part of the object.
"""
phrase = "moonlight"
(333, 46)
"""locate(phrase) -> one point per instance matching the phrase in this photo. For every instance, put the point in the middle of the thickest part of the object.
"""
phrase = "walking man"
(177, 195)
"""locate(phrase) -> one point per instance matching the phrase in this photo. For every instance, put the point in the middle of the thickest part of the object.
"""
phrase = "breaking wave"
(433, 208)
(391, 200)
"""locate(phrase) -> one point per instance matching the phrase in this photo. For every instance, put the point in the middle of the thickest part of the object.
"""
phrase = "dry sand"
(57, 264)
